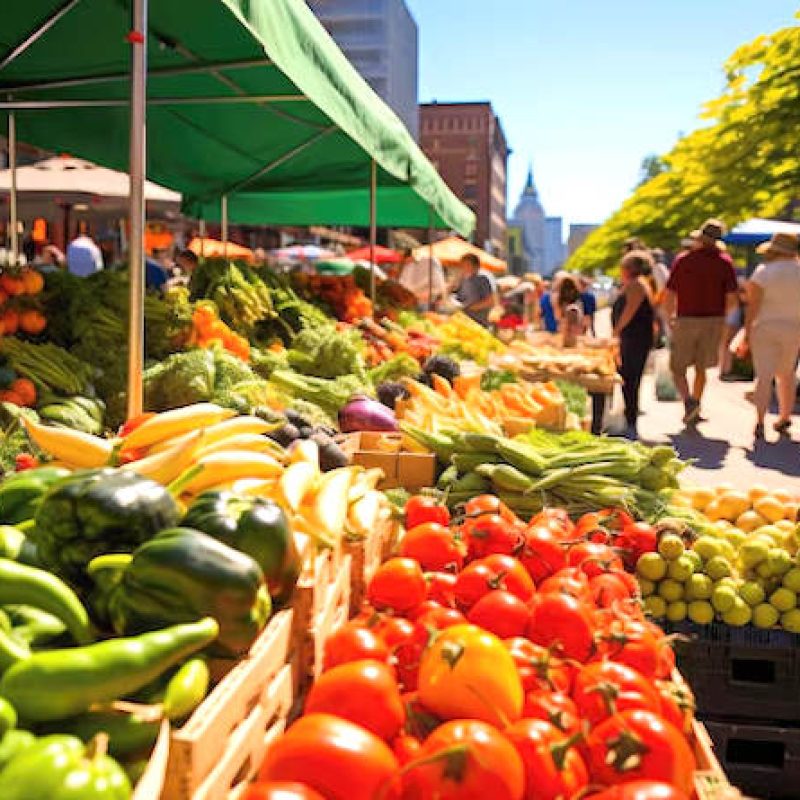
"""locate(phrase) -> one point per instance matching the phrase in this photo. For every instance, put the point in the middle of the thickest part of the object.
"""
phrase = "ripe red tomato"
(538, 668)
(354, 642)
(397, 584)
(594, 558)
(554, 768)
(473, 582)
(634, 643)
(434, 546)
(420, 509)
(554, 707)
(281, 790)
(474, 761)
(488, 504)
(406, 748)
(491, 533)
(542, 553)
(640, 745)
(407, 656)
(556, 519)
(571, 581)
(635, 540)
(394, 631)
(562, 622)
(441, 588)
(609, 590)
(440, 618)
(340, 760)
(641, 790)
(500, 613)
(677, 704)
(364, 692)
(512, 575)
(605, 687)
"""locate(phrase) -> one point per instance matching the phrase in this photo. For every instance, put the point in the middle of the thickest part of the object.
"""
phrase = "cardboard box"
(391, 453)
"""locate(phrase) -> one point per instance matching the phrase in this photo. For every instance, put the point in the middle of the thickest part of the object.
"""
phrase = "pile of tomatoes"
(497, 659)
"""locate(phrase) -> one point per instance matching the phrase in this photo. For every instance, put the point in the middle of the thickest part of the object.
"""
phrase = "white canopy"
(76, 176)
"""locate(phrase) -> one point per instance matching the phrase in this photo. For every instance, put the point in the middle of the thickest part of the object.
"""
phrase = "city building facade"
(578, 233)
(530, 217)
(466, 144)
(380, 38)
(554, 250)
(516, 257)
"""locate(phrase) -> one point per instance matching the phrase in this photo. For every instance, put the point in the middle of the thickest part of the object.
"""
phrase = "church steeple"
(530, 188)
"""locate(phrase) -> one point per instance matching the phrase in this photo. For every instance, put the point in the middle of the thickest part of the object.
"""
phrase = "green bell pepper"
(55, 684)
(35, 587)
(256, 526)
(182, 574)
(63, 768)
(98, 511)
(13, 744)
(21, 492)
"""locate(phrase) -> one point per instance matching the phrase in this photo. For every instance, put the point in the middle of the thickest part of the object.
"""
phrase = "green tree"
(744, 162)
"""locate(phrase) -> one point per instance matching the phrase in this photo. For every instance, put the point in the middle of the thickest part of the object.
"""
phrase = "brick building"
(465, 142)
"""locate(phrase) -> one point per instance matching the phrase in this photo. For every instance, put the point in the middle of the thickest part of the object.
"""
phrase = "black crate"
(760, 760)
(742, 672)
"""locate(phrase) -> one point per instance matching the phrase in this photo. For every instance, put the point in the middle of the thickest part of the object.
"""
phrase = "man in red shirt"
(700, 291)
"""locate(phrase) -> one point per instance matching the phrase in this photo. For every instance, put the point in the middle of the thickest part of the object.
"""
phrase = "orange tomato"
(10, 320)
(32, 321)
(11, 285)
(7, 396)
(32, 281)
(26, 389)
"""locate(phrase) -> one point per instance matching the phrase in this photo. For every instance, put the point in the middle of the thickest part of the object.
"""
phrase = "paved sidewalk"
(722, 447)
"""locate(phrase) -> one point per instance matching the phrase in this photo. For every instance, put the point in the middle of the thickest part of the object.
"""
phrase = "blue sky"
(586, 88)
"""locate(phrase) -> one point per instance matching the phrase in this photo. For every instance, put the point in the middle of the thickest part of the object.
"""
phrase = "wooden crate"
(151, 784)
(223, 743)
(710, 781)
(366, 555)
(391, 453)
(321, 604)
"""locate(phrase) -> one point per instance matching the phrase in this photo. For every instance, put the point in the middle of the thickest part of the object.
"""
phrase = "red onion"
(362, 413)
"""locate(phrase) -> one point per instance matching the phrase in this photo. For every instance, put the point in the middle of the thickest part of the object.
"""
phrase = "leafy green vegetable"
(325, 352)
(575, 397)
(265, 362)
(400, 366)
(329, 395)
(495, 378)
(179, 380)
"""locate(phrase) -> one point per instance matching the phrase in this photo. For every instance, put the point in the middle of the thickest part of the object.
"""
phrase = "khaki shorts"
(775, 346)
(696, 342)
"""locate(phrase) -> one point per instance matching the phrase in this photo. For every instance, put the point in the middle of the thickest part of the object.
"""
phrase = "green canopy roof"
(242, 95)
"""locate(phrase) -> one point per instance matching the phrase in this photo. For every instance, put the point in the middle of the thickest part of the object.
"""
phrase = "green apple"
(723, 598)
(752, 593)
(651, 566)
(718, 567)
(739, 615)
(791, 620)
(655, 606)
(779, 560)
(646, 587)
(753, 552)
(699, 587)
(707, 547)
(701, 612)
(783, 599)
(765, 616)
(671, 546)
(791, 580)
(681, 569)
(670, 590)
(695, 558)
(676, 612)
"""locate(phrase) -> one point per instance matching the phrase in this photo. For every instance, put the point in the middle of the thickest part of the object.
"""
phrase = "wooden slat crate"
(366, 556)
(321, 604)
(222, 744)
(151, 784)
(710, 781)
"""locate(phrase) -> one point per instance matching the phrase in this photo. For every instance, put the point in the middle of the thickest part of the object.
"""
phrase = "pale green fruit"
(783, 599)
(780, 561)
(769, 532)
(695, 558)
(701, 612)
(670, 590)
(739, 615)
(676, 612)
(764, 570)
(718, 567)
(671, 546)
(791, 620)
(753, 552)
(655, 606)
(707, 547)
(735, 537)
(723, 598)
(765, 616)
(752, 593)
(728, 581)
(646, 587)
(791, 580)
(699, 587)
(651, 566)
(681, 569)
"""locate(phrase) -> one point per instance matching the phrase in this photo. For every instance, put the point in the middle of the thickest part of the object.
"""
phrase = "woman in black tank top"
(632, 317)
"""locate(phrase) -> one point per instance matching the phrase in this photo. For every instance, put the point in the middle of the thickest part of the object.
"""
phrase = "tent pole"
(201, 229)
(138, 150)
(224, 220)
(12, 198)
(373, 227)
(430, 259)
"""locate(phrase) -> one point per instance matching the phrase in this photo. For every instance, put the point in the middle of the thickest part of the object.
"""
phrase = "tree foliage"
(743, 162)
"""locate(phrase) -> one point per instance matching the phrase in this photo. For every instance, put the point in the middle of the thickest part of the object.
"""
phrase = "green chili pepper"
(35, 627)
(186, 689)
(13, 744)
(36, 587)
(63, 768)
(12, 651)
(8, 717)
(55, 684)
(11, 541)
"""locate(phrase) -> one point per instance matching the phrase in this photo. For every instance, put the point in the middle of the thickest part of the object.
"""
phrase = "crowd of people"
(695, 305)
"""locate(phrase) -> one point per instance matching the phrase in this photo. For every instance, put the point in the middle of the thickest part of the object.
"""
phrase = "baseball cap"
(713, 229)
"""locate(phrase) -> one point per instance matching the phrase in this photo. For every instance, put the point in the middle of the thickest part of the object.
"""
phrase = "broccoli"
(443, 366)
(389, 392)
(180, 380)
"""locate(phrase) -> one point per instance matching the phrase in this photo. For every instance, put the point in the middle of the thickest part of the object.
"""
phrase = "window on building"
(471, 168)
(470, 190)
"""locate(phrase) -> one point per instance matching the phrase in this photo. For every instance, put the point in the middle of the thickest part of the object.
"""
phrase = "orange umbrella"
(383, 255)
(450, 251)
(214, 248)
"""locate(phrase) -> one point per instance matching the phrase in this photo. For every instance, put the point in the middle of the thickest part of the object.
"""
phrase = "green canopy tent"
(240, 94)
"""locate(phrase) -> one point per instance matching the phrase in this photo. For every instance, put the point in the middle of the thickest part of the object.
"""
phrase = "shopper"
(83, 255)
(425, 280)
(773, 328)
(476, 292)
(547, 311)
(734, 320)
(700, 291)
(589, 302)
(632, 317)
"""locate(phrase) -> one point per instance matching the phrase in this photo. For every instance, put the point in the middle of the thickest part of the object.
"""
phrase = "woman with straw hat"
(773, 328)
